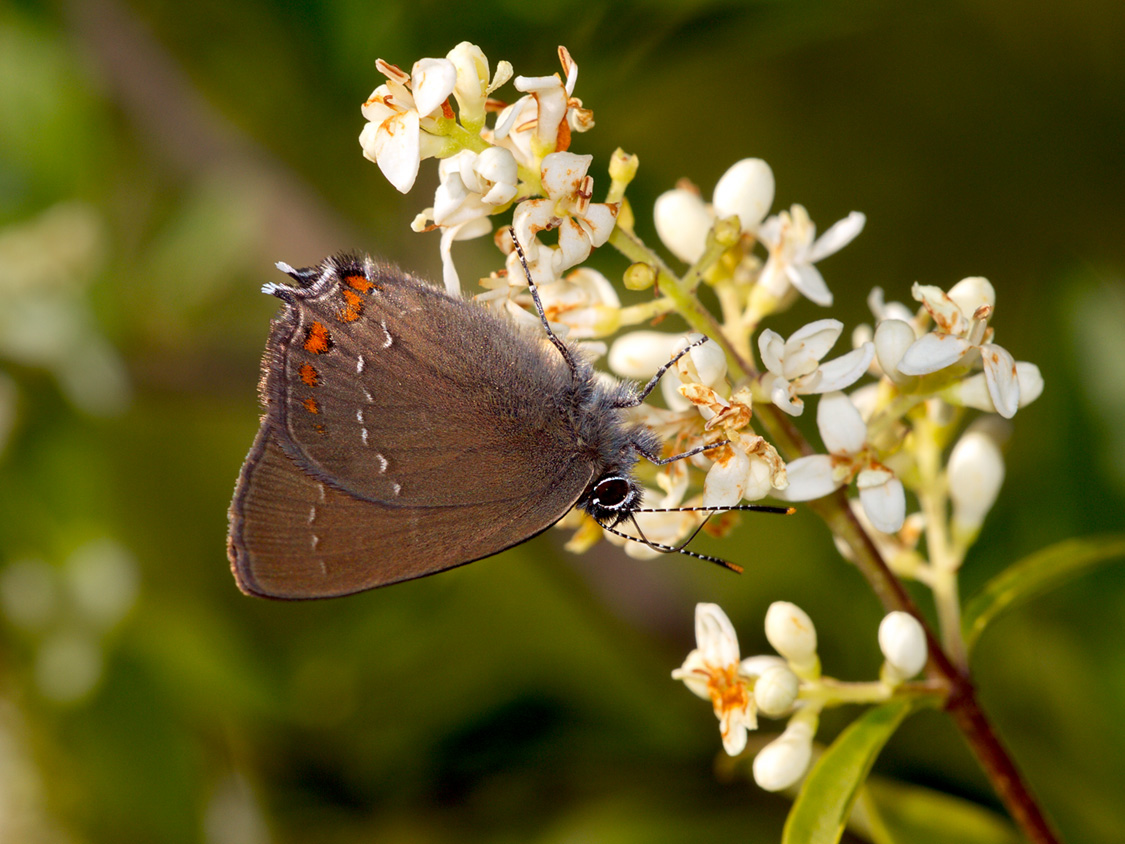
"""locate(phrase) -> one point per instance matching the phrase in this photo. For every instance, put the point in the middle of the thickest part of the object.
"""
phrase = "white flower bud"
(746, 189)
(903, 643)
(682, 222)
(776, 690)
(639, 354)
(976, 472)
(792, 634)
(784, 760)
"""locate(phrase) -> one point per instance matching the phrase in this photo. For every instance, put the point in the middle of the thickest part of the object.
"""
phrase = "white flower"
(748, 467)
(713, 672)
(962, 334)
(791, 239)
(903, 643)
(794, 367)
(845, 436)
(683, 220)
(793, 635)
(400, 114)
(472, 186)
(582, 225)
(541, 122)
(783, 761)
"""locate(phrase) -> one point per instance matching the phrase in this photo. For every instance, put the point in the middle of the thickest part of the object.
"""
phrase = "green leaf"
(822, 807)
(1034, 575)
(893, 811)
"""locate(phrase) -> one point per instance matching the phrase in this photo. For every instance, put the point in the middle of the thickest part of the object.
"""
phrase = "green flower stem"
(828, 692)
(944, 560)
(636, 314)
(460, 135)
(684, 301)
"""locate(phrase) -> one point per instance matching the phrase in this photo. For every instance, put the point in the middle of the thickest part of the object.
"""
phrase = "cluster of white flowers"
(522, 159)
(788, 685)
(924, 366)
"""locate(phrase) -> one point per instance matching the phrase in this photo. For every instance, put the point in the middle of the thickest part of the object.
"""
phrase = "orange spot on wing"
(353, 306)
(358, 282)
(311, 405)
(318, 340)
(309, 374)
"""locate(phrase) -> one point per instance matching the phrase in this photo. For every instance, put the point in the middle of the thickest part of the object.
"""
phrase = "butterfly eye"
(612, 493)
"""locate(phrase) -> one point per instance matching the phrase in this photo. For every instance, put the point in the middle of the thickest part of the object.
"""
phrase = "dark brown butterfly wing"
(294, 536)
(396, 392)
(388, 450)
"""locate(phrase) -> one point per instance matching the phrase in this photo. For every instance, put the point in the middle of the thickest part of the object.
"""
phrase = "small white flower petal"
(598, 221)
(574, 246)
(771, 345)
(733, 730)
(845, 370)
(946, 313)
(973, 392)
(693, 675)
(1031, 382)
(715, 636)
(841, 426)
(892, 338)
(810, 283)
(839, 235)
(682, 222)
(562, 173)
(903, 643)
(810, 477)
(782, 396)
(883, 499)
(708, 359)
(746, 189)
(808, 344)
(973, 293)
(932, 352)
(725, 483)
(432, 81)
(497, 167)
(397, 149)
(759, 480)
(1001, 377)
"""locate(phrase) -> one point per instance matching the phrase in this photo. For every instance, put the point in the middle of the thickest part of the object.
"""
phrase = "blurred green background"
(156, 159)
